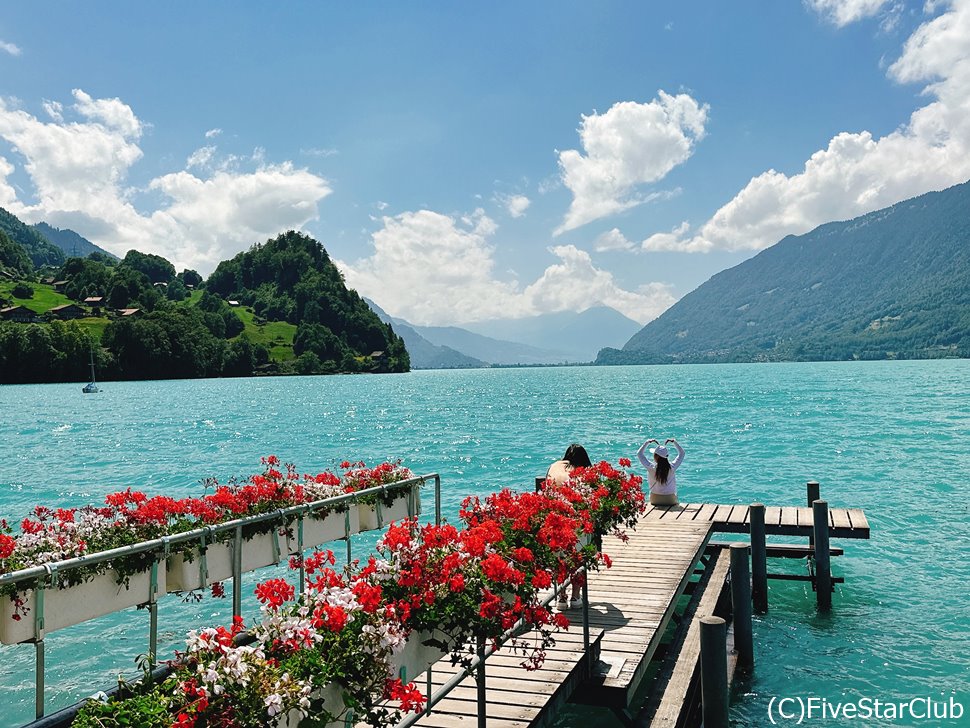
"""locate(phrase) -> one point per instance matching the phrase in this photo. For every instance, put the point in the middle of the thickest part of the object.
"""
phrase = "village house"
(18, 314)
(68, 311)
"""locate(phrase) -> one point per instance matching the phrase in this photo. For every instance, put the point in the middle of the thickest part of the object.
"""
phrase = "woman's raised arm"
(642, 457)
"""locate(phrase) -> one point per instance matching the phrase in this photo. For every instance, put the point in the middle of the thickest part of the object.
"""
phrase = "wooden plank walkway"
(634, 601)
(631, 604)
(779, 521)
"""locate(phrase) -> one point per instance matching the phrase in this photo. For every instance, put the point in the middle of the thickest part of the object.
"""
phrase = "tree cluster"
(291, 278)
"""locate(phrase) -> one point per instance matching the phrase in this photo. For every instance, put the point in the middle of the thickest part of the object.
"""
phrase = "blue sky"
(465, 162)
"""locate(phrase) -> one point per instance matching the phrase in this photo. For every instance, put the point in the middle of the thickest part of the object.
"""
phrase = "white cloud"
(857, 172)
(54, 109)
(114, 114)
(10, 48)
(78, 170)
(515, 205)
(213, 133)
(201, 158)
(629, 145)
(612, 240)
(666, 241)
(435, 269)
(843, 12)
(574, 284)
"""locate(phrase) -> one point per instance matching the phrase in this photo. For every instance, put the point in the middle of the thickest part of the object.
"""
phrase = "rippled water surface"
(890, 437)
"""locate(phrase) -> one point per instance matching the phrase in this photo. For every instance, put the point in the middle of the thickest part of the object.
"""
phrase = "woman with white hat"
(660, 471)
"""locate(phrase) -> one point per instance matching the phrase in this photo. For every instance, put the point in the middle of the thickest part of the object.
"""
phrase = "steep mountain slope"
(424, 354)
(70, 242)
(41, 250)
(891, 284)
(575, 336)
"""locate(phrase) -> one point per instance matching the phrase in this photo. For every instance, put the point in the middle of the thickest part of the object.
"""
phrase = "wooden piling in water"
(812, 490)
(741, 605)
(714, 683)
(759, 558)
(823, 562)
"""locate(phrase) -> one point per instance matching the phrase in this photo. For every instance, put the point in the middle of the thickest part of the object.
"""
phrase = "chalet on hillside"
(59, 286)
(129, 312)
(378, 357)
(95, 302)
(18, 314)
(232, 303)
(68, 311)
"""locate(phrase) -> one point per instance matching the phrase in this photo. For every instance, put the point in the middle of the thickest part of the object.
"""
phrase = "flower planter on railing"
(75, 604)
(416, 657)
(397, 511)
(188, 571)
(320, 530)
(333, 703)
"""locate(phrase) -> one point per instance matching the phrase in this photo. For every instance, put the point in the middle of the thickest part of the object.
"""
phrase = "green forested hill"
(891, 284)
(151, 323)
(291, 278)
(13, 257)
(41, 250)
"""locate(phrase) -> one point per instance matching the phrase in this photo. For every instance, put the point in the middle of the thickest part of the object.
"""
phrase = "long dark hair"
(663, 467)
(576, 456)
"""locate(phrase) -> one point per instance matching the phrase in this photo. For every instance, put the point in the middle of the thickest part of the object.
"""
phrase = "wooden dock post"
(714, 684)
(741, 605)
(759, 558)
(823, 561)
(812, 489)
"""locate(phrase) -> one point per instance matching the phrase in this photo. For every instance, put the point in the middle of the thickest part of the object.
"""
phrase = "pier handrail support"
(45, 574)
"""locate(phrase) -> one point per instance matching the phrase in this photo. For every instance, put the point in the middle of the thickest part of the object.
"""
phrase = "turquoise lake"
(890, 437)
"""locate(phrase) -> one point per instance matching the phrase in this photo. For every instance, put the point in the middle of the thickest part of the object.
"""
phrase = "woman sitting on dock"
(660, 471)
(560, 472)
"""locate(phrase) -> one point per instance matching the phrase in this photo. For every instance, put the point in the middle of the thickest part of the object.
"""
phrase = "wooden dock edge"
(677, 691)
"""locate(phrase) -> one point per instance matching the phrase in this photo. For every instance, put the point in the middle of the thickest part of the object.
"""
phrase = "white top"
(559, 472)
(670, 487)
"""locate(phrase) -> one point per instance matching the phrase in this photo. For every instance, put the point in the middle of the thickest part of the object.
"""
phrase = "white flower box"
(397, 511)
(75, 604)
(185, 574)
(333, 702)
(316, 531)
(416, 657)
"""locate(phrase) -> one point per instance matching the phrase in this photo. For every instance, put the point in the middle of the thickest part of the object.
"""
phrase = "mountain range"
(556, 338)
(894, 283)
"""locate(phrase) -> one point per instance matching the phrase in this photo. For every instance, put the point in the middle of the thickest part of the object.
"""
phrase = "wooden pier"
(779, 521)
(668, 572)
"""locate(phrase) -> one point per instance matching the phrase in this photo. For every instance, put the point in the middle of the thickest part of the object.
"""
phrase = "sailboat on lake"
(92, 386)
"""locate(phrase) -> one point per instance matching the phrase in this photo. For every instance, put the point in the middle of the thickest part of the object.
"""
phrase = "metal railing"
(42, 577)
